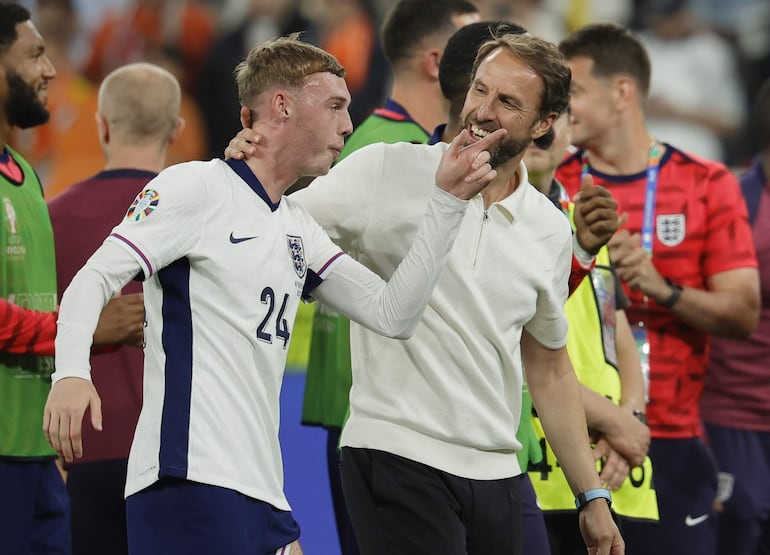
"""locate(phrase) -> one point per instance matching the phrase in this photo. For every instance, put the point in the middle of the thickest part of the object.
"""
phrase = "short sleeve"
(549, 324)
(729, 243)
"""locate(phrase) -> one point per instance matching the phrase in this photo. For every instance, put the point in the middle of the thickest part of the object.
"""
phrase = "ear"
(542, 126)
(178, 128)
(281, 104)
(430, 62)
(246, 120)
(102, 128)
(625, 91)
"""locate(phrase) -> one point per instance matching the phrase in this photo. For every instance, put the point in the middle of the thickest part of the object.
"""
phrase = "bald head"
(140, 104)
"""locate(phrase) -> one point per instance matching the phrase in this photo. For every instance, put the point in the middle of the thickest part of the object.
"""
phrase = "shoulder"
(394, 156)
(698, 170)
(71, 196)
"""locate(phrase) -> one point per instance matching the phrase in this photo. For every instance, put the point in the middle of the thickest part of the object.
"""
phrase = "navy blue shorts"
(177, 517)
(685, 481)
(34, 508)
(743, 457)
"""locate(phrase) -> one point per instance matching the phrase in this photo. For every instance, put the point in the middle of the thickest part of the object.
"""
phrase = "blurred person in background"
(348, 31)
(34, 506)
(66, 149)
(137, 120)
(128, 33)
(697, 98)
(736, 395)
(251, 22)
(686, 259)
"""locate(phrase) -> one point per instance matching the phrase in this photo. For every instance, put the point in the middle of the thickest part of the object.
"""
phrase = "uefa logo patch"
(143, 205)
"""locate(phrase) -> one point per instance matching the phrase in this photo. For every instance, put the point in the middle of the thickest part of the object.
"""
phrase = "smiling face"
(592, 104)
(26, 72)
(321, 122)
(505, 92)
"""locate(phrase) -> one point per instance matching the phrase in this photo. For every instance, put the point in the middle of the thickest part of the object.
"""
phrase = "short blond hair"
(283, 62)
(141, 102)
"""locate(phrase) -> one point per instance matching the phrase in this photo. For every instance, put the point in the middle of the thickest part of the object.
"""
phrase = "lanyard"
(653, 167)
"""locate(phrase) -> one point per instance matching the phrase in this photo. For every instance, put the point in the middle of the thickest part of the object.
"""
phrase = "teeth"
(478, 132)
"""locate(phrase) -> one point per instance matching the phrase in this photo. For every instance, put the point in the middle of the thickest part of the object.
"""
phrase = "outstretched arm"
(395, 308)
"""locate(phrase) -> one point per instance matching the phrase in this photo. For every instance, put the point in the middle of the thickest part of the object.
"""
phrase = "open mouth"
(478, 132)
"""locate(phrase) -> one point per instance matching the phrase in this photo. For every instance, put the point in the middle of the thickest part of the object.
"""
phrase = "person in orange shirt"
(144, 26)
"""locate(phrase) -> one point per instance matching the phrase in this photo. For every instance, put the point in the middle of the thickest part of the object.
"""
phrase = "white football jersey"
(215, 355)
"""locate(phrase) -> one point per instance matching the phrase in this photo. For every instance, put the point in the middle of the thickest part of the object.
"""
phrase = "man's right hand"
(63, 415)
(122, 321)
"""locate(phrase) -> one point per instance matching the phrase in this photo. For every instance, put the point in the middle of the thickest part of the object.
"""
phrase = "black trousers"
(399, 506)
(98, 507)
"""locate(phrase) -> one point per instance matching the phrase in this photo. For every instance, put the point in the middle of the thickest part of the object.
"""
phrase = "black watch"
(676, 292)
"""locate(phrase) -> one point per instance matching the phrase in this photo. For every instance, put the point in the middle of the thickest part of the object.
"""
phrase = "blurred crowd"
(709, 58)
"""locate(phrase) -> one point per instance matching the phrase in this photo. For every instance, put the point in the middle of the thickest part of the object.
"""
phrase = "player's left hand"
(596, 216)
(634, 266)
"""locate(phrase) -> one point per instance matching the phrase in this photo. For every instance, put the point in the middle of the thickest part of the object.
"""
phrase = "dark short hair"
(614, 51)
(409, 22)
(456, 68)
(11, 14)
(762, 115)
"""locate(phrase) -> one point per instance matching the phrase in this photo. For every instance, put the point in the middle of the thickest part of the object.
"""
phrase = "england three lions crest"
(297, 253)
(670, 229)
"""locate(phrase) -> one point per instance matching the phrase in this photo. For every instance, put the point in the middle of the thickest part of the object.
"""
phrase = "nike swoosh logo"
(690, 521)
(235, 240)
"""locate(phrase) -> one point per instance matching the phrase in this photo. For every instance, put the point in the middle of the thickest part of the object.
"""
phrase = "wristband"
(676, 292)
(582, 500)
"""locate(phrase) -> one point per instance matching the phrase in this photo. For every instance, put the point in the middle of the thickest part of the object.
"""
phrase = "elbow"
(404, 332)
(745, 326)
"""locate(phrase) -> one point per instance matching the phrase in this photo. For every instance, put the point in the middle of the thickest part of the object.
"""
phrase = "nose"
(347, 125)
(484, 110)
(49, 71)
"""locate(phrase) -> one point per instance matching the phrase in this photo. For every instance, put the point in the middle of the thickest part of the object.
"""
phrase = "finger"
(482, 176)
(64, 437)
(587, 182)
(464, 142)
(622, 219)
(53, 431)
(600, 450)
(600, 214)
(480, 159)
(46, 422)
(76, 439)
(95, 405)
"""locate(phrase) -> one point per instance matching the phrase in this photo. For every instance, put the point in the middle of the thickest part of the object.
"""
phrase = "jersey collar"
(244, 172)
